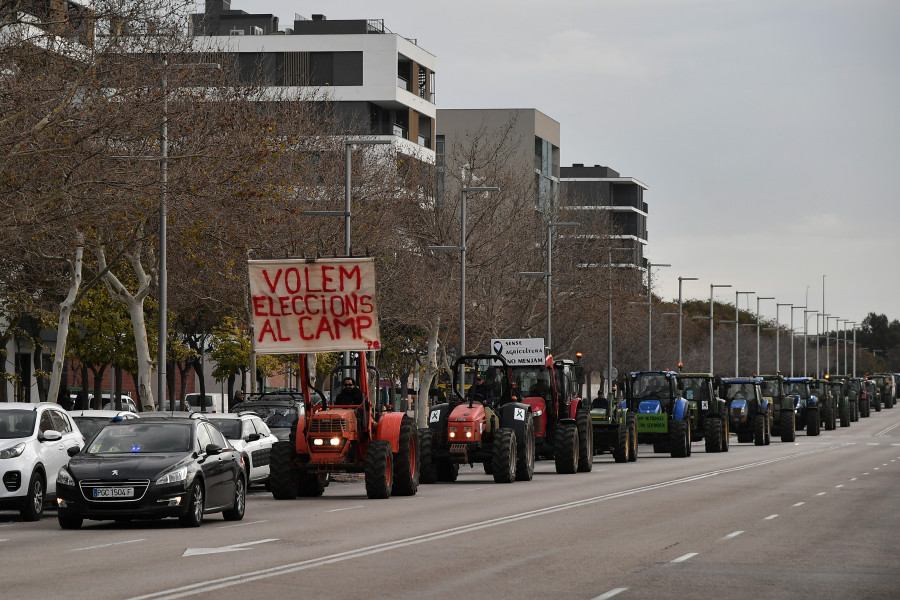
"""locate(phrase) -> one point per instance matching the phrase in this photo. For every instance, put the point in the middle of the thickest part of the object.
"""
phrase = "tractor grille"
(327, 425)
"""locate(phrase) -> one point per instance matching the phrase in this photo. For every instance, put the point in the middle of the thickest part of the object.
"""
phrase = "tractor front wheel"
(585, 441)
(282, 477)
(525, 453)
(379, 469)
(631, 422)
(622, 452)
(812, 421)
(679, 439)
(759, 430)
(566, 448)
(406, 461)
(427, 473)
(712, 434)
(503, 456)
(788, 434)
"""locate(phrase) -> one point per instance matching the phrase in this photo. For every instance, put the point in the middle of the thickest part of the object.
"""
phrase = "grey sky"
(767, 130)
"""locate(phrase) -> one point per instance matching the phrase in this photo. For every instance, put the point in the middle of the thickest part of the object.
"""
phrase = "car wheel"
(194, 516)
(33, 508)
(236, 512)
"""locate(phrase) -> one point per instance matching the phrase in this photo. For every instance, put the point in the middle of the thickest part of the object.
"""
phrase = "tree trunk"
(432, 331)
(37, 360)
(98, 371)
(65, 311)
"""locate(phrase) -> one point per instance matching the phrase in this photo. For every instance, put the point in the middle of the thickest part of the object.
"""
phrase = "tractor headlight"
(318, 442)
(335, 441)
(468, 432)
(453, 432)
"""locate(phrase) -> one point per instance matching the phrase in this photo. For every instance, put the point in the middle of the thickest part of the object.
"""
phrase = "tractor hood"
(739, 409)
(650, 407)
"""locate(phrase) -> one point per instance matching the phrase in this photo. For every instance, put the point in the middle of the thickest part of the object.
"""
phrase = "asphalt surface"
(817, 518)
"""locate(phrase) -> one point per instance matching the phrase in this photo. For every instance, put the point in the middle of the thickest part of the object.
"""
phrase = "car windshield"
(650, 386)
(143, 438)
(16, 424)
(91, 425)
(769, 388)
(532, 381)
(230, 428)
(275, 416)
(743, 391)
(695, 388)
(798, 388)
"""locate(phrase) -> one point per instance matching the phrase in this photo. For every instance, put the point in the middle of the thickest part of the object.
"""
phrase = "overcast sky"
(767, 131)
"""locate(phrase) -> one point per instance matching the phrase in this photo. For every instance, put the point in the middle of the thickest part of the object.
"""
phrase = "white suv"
(249, 435)
(34, 444)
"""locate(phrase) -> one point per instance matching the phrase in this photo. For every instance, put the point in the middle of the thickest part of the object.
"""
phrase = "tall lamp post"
(462, 265)
(778, 334)
(681, 314)
(806, 314)
(650, 266)
(737, 325)
(838, 345)
(793, 308)
(712, 288)
(853, 326)
(609, 361)
(827, 344)
(548, 274)
(758, 298)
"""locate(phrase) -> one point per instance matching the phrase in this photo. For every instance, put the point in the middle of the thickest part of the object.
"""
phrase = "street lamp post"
(712, 287)
(650, 266)
(842, 328)
(793, 308)
(737, 325)
(827, 344)
(853, 326)
(778, 334)
(806, 314)
(758, 298)
(824, 318)
(681, 314)
(609, 361)
(548, 274)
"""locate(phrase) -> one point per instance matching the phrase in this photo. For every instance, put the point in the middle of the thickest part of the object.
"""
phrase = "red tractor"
(482, 423)
(347, 436)
(562, 419)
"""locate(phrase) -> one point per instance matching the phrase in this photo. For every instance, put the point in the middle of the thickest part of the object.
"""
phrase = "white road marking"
(886, 430)
(610, 594)
(348, 508)
(733, 534)
(873, 444)
(203, 587)
(244, 524)
(770, 517)
(108, 545)
(853, 479)
(865, 473)
(821, 493)
(474, 489)
(221, 549)
(876, 468)
(687, 556)
(839, 486)
(799, 504)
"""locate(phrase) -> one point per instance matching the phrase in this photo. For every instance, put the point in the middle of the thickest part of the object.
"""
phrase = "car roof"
(104, 413)
(26, 405)
(168, 418)
(232, 416)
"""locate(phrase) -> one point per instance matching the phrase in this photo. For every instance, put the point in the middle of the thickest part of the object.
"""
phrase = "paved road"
(818, 518)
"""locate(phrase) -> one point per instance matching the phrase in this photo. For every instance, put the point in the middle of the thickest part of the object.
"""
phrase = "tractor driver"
(481, 391)
(541, 387)
(351, 395)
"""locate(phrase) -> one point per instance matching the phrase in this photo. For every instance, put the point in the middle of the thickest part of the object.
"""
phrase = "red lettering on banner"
(351, 323)
(267, 329)
(303, 330)
(284, 304)
(353, 273)
(326, 279)
(297, 305)
(363, 323)
(366, 303)
(281, 336)
(297, 283)
(272, 286)
(309, 287)
(259, 305)
(324, 325)
(308, 309)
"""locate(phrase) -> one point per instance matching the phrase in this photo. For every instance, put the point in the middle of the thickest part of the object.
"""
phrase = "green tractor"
(784, 409)
(709, 414)
(615, 429)
(827, 403)
(884, 389)
(842, 402)
(662, 415)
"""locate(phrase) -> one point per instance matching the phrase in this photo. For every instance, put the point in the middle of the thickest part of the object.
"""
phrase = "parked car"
(34, 440)
(92, 421)
(279, 410)
(212, 402)
(152, 468)
(249, 435)
(127, 403)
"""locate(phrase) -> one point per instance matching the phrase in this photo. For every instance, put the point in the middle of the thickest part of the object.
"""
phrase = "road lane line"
(839, 486)
(770, 517)
(888, 429)
(203, 587)
(687, 556)
(821, 493)
(244, 524)
(853, 479)
(733, 534)
(610, 594)
(107, 545)
(348, 508)
(799, 504)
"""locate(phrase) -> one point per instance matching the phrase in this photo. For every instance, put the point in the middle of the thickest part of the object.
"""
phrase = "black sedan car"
(151, 468)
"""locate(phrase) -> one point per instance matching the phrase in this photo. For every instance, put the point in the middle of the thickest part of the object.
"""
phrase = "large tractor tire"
(311, 485)
(566, 448)
(768, 437)
(631, 422)
(788, 433)
(622, 452)
(379, 469)
(845, 415)
(283, 480)
(828, 417)
(866, 409)
(406, 461)
(812, 421)
(585, 441)
(712, 434)
(759, 430)
(680, 439)
(427, 472)
(525, 452)
(447, 471)
(725, 441)
(877, 403)
(503, 456)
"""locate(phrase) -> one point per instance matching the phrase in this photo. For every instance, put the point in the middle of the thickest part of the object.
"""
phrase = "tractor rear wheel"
(622, 452)
(788, 434)
(812, 421)
(585, 441)
(725, 440)
(406, 461)
(283, 480)
(525, 452)
(845, 415)
(447, 471)
(566, 448)
(877, 404)
(828, 417)
(631, 422)
(427, 473)
(712, 431)
(679, 439)
(759, 430)
(379, 469)
(503, 456)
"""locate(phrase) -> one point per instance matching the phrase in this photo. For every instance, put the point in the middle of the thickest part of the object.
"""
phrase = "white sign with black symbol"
(520, 414)
(435, 416)
(526, 351)
(706, 405)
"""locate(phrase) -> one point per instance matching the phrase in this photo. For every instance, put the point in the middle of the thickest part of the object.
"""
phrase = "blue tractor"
(749, 412)
(807, 404)
(663, 416)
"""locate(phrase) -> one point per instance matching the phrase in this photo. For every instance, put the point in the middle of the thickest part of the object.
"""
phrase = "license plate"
(114, 492)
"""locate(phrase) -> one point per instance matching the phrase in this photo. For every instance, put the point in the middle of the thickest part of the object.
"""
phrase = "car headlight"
(13, 452)
(173, 476)
(65, 478)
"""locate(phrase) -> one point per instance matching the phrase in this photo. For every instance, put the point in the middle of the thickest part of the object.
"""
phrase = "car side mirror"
(73, 450)
(213, 449)
(51, 435)
(253, 437)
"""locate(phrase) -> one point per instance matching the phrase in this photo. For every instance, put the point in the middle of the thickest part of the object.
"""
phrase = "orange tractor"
(346, 435)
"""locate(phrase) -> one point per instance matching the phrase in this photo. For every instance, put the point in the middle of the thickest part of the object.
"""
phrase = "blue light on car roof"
(117, 418)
